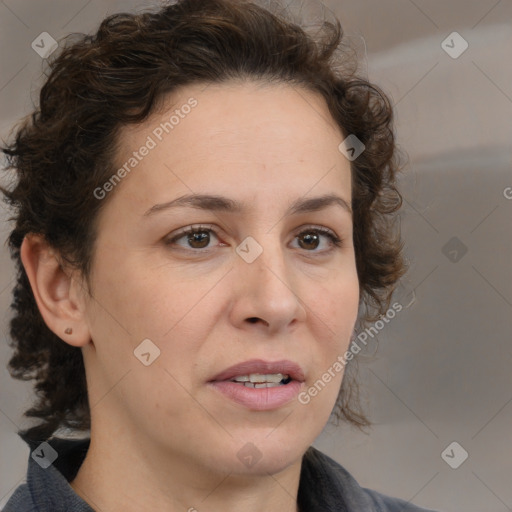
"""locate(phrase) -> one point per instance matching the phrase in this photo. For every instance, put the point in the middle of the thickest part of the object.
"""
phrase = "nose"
(267, 292)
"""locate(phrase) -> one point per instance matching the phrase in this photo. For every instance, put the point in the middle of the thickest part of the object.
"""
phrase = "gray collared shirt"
(325, 486)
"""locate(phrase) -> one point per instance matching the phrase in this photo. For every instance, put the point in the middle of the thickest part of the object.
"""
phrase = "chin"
(263, 455)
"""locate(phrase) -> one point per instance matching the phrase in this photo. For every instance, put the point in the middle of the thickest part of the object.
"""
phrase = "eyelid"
(172, 238)
(315, 227)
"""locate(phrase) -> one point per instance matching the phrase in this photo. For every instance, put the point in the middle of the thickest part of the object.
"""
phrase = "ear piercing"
(68, 330)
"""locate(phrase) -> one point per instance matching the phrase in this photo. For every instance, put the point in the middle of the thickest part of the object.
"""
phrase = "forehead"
(251, 136)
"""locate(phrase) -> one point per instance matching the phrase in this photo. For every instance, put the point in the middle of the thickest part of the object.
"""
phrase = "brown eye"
(309, 240)
(198, 239)
(195, 237)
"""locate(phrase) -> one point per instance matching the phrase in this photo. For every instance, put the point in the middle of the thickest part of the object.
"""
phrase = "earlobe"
(62, 310)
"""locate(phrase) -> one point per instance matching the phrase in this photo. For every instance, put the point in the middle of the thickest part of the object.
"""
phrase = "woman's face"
(259, 285)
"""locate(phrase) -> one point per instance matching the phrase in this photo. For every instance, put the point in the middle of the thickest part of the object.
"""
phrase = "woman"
(204, 204)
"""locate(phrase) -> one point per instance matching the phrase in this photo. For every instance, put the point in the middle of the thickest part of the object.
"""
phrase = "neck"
(124, 473)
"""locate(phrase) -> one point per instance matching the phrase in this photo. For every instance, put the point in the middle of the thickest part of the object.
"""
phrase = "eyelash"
(335, 240)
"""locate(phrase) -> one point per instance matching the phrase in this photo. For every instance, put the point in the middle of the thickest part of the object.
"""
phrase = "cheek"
(337, 311)
(337, 305)
(144, 302)
(336, 314)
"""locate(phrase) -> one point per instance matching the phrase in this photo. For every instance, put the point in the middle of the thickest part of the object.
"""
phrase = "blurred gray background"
(440, 373)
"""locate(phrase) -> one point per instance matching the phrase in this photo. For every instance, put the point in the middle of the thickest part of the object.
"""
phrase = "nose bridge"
(266, 259)
(268, 289)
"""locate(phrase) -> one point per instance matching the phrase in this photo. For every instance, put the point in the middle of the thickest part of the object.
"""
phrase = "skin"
(161, 438)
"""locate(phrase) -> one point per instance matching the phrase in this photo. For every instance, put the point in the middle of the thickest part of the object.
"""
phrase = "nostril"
(255, 319)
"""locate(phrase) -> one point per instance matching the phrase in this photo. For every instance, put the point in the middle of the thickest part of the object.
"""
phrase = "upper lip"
(293, 370)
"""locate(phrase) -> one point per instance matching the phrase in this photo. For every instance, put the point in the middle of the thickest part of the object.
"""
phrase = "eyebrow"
(224, 204)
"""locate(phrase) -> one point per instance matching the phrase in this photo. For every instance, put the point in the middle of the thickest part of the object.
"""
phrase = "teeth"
(244, 378)
(258, 378)
(261, 384)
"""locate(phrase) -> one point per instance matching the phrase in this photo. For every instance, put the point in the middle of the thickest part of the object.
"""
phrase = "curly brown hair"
(118, 76)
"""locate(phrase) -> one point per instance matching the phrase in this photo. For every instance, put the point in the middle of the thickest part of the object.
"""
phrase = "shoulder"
(20, 501)
(51, 465)
(386, 503)
(326, 485)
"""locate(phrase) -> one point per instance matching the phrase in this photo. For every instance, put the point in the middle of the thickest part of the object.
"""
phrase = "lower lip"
(259, 399)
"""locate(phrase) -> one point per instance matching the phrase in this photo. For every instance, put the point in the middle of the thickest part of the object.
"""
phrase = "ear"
(59, 297)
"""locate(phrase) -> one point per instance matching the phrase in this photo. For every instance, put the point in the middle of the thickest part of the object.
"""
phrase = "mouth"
(257, 371)
(260, 385)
